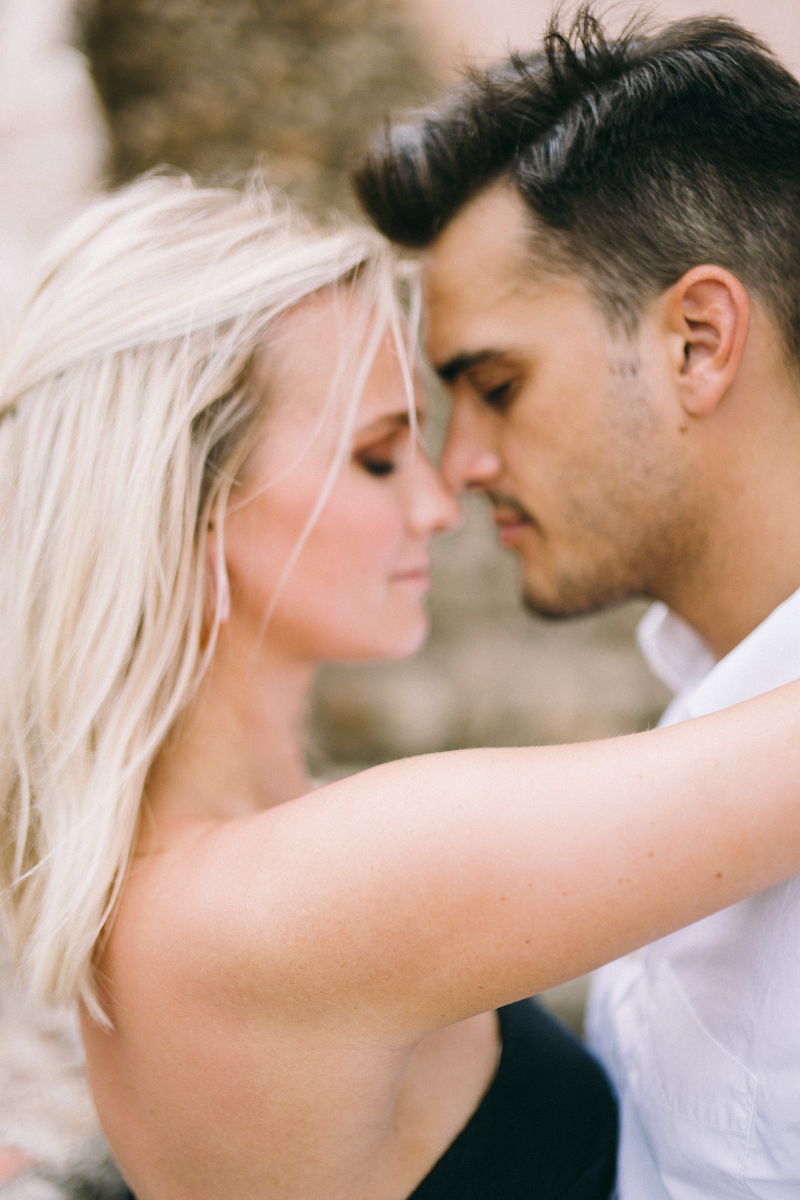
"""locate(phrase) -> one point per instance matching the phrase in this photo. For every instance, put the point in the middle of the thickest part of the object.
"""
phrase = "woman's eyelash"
(378, 466)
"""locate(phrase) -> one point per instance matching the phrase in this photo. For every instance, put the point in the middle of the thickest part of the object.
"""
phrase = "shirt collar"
(673, 651)
(767, 658)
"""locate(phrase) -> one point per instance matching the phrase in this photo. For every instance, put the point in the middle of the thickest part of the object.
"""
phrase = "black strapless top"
(546, 1128)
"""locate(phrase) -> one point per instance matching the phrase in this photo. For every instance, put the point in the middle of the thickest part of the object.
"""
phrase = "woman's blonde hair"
(126, 410)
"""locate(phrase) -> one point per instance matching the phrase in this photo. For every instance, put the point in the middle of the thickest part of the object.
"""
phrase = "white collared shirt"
(700, 1031)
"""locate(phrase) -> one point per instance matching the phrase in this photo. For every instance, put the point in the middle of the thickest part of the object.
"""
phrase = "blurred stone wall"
(216, 87)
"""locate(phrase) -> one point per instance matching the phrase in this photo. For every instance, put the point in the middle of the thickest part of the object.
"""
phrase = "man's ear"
(708, 317)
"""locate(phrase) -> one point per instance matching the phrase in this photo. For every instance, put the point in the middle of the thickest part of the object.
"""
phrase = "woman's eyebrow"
(388, 422)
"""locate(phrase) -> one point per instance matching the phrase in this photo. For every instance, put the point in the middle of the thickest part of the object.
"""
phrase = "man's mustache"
(509, 504)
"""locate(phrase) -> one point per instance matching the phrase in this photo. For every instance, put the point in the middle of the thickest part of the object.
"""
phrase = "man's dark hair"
(638, 157)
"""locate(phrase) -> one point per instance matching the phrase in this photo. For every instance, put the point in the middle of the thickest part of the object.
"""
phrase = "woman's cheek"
(375, 521)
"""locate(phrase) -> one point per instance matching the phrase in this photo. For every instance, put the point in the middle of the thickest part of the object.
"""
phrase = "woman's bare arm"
(423, 891)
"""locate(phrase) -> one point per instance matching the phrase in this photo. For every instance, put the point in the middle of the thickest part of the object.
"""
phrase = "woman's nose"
(435, 507)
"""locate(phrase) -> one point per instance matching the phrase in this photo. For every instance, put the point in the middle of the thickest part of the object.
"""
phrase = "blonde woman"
(210, 480)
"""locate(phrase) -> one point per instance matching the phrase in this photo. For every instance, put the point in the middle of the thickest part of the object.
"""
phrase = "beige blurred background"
(468, 30)
(94, 92)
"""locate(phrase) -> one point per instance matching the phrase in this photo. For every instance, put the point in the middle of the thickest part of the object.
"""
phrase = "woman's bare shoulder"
(209, 910)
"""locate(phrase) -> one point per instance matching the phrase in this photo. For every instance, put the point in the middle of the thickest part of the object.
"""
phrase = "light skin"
(356, 591)
(666, 464)
(301, 988)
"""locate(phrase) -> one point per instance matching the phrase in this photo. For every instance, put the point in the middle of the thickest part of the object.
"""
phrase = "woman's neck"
(239, 747)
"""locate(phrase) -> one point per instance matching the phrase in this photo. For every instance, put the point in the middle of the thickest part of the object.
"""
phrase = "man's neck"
(722, 631)
(750, 566)
(728, 552)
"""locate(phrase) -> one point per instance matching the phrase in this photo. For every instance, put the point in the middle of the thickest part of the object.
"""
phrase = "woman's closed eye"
(382, 455)
(377, 466)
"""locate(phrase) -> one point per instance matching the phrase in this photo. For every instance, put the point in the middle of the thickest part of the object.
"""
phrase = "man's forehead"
(484, 244)
(486, 293)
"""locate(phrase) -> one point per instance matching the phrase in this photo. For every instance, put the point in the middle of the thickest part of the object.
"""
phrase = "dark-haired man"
(613, 255)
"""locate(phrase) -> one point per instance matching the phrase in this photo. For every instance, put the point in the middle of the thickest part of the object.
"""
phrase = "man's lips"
(510, 523)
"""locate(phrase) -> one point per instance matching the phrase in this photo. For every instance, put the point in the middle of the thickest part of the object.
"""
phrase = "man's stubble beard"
(578, 595)
(651, 559)
(642, 536)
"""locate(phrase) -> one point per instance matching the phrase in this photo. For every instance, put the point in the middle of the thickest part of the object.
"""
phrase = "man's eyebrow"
(462, 362)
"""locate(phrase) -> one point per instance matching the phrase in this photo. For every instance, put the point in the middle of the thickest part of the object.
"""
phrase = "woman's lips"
(421, 576)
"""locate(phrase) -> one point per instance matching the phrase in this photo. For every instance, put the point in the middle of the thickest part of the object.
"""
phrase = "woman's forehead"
(330, 344)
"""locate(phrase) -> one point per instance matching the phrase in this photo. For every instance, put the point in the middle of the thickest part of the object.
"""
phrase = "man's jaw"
(568, 596)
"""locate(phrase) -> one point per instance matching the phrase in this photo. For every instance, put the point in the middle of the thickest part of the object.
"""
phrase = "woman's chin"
(412, 639)
(399, 644)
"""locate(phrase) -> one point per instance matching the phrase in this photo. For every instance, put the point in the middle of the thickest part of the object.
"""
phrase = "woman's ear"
(708, 315)
(218, 591)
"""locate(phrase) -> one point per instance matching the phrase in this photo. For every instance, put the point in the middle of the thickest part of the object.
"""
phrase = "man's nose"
(469, 460)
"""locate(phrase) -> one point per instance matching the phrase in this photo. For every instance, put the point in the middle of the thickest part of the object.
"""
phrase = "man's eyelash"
(497, 395)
